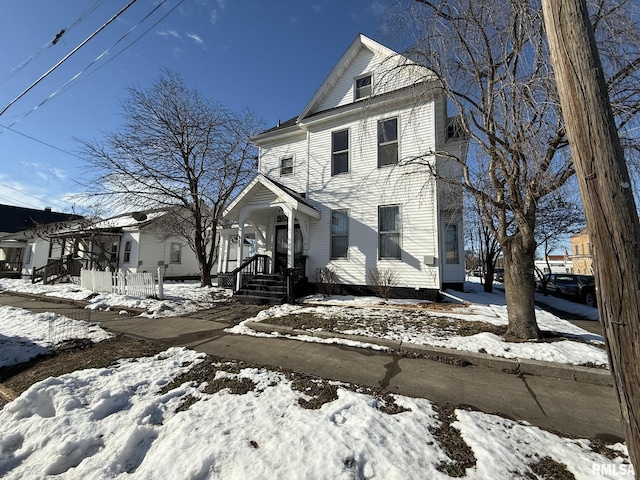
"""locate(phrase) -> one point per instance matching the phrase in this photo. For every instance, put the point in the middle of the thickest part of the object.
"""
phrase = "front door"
(280, 251)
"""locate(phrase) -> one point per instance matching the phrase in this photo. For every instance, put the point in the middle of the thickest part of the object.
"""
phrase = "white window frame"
(382, 233)
(334, 235)
(358, 93)
(339, 152)
(126, 258)
(382, 144)
(289, 168)
(175, 256)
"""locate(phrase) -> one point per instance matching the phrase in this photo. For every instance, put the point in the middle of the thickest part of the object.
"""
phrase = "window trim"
(356, 91)
(339, 152)
(332, 234)
(179, 253)
(282, 167)
(397, 232)
(384, 144)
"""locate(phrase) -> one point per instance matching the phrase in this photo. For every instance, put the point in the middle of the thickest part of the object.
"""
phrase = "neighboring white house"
(20, 246)
(346, 184)
(133, 242)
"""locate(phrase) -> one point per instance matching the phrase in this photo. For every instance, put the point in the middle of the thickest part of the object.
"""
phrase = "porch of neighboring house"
(72, 252)
(11, 258)
(269, 264)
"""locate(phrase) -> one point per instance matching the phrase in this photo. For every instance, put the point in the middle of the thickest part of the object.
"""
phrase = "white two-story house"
(348, 184)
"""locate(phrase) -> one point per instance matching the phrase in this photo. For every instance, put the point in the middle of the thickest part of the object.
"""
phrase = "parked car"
(588, 290)
(568, 285)
(498, 274)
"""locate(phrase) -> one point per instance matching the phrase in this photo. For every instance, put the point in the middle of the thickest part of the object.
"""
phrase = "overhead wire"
(46, 74)
(77, 79)
(51, 43)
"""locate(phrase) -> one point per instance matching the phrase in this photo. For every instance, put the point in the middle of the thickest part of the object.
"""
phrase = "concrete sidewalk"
(547, 400)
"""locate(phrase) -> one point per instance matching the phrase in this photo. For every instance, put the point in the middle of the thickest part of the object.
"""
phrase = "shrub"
(325, 278)
(382, 281)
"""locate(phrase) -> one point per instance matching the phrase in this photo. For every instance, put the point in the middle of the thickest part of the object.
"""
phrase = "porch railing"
(250, 267)
(10, 268)
(55, 269)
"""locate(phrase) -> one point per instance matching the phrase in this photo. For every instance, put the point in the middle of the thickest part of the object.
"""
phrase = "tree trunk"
(519, 288)
(205, 277)
(610, 209)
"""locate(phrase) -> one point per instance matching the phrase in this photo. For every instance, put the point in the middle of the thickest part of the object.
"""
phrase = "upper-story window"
(363, 87)
(286, 166)
(339, 152)
(388, 142)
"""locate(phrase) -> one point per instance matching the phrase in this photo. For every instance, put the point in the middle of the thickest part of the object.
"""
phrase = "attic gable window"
(286, 166)
(363, 87)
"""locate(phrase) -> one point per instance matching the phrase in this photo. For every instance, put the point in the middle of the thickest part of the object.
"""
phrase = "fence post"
(160, 284)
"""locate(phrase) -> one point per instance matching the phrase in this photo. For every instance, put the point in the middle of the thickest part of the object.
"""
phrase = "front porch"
(11, 258)
(269, 236)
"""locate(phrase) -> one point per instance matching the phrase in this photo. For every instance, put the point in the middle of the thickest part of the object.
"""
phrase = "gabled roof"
(361, 42)
(315, 106)
(280, 192)
(15, 219)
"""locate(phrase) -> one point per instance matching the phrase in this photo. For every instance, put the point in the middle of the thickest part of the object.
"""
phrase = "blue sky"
(270, 56)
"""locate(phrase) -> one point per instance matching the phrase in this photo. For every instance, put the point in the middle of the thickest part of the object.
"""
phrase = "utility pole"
(610, 209)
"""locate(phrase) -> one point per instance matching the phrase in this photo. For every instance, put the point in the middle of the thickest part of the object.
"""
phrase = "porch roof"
(281, 194)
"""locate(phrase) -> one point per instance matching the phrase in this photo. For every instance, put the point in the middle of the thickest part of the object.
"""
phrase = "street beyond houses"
(263, 428)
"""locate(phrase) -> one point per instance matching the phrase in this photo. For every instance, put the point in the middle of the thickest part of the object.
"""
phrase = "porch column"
(290, 237)
(222, 257)
(239, 252)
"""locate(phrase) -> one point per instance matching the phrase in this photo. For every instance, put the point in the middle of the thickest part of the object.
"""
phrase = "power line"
(50, 43)
(77, 79)
(40, 141)
(44, 75)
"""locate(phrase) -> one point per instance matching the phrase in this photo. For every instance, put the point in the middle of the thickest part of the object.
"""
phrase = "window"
(176, 253)
(127, 252)
(339, 233)
(114, 252)
(387, 142)
(451, 253)
(339, 152)
(389, 231)
(286, 166)
(362, 87)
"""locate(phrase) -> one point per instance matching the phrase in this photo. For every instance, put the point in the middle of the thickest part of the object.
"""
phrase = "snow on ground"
(408, 326)
(25, 335)
(122, 421)
(181, 298)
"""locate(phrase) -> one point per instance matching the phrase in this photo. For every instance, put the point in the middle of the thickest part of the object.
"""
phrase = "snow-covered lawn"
(140, 419)
(370, 317)
(133, 420)
(181, 298)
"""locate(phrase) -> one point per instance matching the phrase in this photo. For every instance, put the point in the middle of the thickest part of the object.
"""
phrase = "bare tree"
(493, 63)
(610, 209)
(177, 149)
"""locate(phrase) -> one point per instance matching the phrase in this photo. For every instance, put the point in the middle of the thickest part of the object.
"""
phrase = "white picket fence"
(134, 284)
